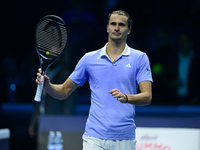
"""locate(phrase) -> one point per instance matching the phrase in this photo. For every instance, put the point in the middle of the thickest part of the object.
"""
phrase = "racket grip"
(39, 90)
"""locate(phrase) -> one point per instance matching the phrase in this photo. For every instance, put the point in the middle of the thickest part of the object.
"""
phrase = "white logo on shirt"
(128, 65)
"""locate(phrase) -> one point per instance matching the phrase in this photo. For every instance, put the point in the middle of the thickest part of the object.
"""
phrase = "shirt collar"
(125, 52)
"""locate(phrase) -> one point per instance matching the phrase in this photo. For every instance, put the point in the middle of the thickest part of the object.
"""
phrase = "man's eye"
(112, 23)
(121, 24)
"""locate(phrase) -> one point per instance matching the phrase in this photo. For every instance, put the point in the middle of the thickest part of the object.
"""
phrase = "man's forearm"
(140, 99)
(56, 90)
(61, 91)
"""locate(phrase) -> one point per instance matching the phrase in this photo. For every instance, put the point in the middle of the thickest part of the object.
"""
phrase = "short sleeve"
(79, 75)
(143, 69)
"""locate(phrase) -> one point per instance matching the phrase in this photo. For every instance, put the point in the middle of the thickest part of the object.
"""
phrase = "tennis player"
(114, 73)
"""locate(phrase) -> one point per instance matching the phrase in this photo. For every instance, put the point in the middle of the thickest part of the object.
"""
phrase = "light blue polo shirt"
(109, 118)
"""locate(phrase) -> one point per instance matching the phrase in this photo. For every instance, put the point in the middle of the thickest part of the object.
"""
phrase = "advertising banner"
(167, 139)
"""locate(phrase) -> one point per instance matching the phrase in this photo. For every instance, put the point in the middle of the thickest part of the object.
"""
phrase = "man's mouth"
(116, 33)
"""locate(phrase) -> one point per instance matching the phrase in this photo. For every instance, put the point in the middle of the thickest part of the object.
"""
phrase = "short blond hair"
(123, 13)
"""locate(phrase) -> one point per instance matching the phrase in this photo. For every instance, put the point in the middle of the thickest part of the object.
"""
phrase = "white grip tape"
(39, 90)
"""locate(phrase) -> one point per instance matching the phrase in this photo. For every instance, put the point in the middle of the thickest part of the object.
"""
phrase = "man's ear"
(129, 31)
(107, 28)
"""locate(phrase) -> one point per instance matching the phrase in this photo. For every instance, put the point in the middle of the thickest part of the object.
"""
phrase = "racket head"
(50, 37)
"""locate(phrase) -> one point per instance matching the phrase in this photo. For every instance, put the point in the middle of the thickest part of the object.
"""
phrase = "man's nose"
(117, 27)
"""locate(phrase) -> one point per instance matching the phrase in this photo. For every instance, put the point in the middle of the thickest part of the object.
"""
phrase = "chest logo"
(128, 65)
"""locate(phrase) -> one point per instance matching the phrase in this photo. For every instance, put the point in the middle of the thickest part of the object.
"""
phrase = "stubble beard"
(117, 39)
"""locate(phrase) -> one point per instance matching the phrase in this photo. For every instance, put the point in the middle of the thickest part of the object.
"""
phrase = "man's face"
(117, 28)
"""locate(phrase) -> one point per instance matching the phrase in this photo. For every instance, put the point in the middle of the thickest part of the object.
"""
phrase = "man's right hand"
(38, 80)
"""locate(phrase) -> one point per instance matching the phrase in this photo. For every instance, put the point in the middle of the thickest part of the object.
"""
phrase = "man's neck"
(114, 48)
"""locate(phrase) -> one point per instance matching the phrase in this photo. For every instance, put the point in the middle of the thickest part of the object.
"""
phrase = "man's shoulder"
(92, 54)
(136, 51)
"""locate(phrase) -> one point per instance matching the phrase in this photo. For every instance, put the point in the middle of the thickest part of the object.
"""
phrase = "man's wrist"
(126, 98)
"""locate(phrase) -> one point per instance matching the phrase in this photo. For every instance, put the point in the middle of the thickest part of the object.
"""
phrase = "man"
(114, 73)
(182, 74)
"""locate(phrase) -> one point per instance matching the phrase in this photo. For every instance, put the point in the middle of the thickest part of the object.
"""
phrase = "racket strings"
(49, 43)
(49, 39)
(51, 36)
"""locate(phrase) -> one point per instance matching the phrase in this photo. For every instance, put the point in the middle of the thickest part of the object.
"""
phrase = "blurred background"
(168, 31)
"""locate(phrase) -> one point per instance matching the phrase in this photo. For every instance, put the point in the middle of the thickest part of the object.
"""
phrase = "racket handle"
(39, 90)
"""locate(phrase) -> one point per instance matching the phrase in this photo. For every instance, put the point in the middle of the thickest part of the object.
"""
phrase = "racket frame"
(43, 59)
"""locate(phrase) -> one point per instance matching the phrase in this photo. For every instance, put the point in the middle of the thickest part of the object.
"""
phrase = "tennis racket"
(50, 42)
